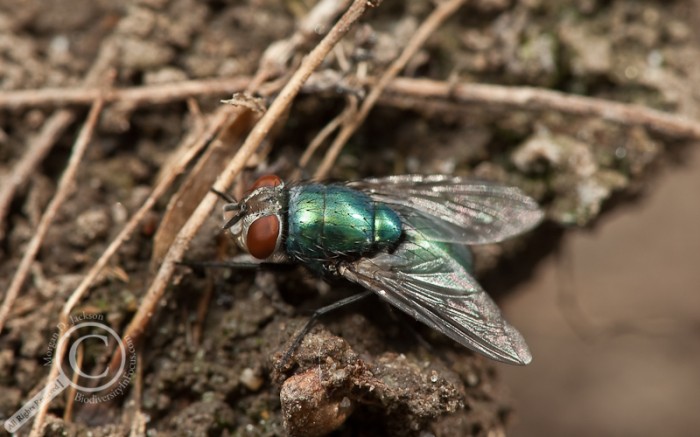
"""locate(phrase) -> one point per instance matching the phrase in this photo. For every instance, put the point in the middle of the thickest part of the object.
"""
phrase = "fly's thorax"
(259, 218)
(387, 226)
(328, 221)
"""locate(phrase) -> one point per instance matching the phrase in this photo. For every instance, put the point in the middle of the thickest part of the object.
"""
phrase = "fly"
(402, 237)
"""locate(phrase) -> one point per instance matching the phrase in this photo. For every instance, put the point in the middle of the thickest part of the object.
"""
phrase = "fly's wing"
(454, 209)
(428, 281)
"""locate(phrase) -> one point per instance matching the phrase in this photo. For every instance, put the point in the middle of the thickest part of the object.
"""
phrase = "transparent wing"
(474, 212)
(429, 281)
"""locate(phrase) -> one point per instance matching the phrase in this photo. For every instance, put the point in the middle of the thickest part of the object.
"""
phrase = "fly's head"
(256, 221)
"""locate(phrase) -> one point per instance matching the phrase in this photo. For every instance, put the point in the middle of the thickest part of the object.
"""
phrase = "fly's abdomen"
(332, 220)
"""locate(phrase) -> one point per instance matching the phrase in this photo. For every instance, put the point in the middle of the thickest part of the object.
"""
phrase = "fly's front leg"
(242, 261)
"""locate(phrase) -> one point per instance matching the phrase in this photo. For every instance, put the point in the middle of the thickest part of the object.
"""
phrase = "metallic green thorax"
(332, 220)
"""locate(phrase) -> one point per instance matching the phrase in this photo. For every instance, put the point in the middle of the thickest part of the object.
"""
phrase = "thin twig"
(256, 136)
(437, 17)
(64, 188)
(538, 99)
(137, 423)
(70, 392)
(137, 96)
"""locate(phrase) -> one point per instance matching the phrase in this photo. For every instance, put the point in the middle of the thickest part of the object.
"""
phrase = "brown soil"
(362, 371)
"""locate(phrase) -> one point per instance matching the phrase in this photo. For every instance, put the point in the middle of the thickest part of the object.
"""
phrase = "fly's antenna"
(240, 207)
(232, 205)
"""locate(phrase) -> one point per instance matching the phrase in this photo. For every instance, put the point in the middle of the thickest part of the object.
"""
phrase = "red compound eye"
(269, 180)
(262, 236)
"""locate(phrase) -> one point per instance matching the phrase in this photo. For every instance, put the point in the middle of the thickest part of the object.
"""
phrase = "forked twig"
(64, 188)
(319, 17)
(437, 17)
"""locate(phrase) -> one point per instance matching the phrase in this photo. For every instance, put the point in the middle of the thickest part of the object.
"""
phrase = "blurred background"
(632, 367)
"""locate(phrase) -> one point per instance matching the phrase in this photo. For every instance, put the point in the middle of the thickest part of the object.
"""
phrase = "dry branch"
(538, 99)
(460, 93)
(136, 96)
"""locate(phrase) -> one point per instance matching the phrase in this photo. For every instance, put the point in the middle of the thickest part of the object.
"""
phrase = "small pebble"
(251, 379)
(91, 225)
(308, 409)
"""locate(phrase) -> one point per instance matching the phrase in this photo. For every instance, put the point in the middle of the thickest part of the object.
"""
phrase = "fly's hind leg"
(312, 320)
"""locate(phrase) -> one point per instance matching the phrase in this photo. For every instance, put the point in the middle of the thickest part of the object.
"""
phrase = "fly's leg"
(242, 261)
(248, 262)
(312, 320)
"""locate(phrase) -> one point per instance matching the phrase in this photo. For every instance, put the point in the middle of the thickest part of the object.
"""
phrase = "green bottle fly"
(405, 238)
